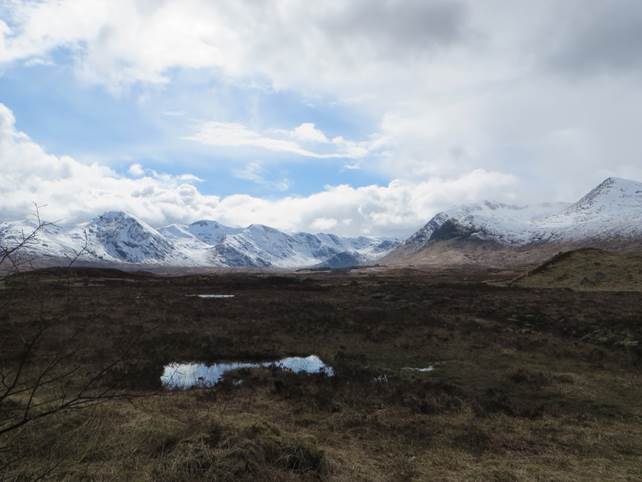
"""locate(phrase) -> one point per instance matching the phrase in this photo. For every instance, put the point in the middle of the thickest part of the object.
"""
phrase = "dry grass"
(587, 270)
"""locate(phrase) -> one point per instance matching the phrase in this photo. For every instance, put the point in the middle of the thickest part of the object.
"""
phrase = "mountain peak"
(114, 214)
(120, 237)
(610, 211)
(122, 218)
(209, 231)
(619, 180)
(262, 228)
(610, 193)
(111, 216)
(206, 222)
(618, 183)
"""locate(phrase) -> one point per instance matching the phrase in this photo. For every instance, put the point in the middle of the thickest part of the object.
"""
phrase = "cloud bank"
(454, 85)
(70, 191)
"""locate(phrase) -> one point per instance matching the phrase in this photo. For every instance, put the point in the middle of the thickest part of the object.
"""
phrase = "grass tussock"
(258, 450)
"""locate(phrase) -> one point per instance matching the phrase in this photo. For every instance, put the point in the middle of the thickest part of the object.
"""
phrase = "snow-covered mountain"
(609, 215)
(118, 237)
(263, 246)
(343, 260)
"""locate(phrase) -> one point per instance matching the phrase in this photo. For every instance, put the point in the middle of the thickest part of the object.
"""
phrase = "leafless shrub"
(36, 382)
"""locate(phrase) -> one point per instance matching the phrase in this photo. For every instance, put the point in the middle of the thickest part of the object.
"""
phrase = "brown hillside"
(587, 269)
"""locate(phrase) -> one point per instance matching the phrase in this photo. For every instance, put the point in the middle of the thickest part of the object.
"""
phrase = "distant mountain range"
(118, 237)
(487, 233)
(609, 216)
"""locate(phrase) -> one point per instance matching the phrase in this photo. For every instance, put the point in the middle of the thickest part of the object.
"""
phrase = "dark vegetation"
(587, 269)
(528, 384)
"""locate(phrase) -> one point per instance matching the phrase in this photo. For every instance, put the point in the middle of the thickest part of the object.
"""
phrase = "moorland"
(516, 383)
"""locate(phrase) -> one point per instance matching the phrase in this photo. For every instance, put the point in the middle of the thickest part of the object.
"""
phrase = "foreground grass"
(528, 384)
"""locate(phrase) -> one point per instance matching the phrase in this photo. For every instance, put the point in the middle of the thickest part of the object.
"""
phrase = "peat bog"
(435, 376)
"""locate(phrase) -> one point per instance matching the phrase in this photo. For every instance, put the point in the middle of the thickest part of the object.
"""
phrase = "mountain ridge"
(608, 216)
(486, 233)
(120, 237)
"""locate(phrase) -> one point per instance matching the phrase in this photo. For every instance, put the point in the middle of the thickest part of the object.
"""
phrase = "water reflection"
(212, 296)
(188, 375)
(423, 370)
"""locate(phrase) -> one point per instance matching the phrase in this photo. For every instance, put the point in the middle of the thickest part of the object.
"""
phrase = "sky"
(354, 117)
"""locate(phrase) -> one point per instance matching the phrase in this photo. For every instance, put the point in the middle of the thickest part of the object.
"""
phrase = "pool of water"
(189, 375)
(212, 296)
(422, 370)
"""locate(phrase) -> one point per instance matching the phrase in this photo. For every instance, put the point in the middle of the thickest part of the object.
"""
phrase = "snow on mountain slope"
(503, 223)
(262, 244)
(196, 251)
(369, 247)
(344, 259)
(611, 211)
(50, 240)
(111, 237)
(120, 237)
(211, 232)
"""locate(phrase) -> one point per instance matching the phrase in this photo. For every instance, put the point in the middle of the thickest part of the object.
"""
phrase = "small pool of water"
(212, 296)
(422, 370)
(188, 375)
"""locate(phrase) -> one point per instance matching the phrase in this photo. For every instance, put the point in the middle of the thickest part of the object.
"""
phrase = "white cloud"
(323, 224)
(254, 171)
(226, 134)
(454, 85)
(307, 132)
(397, 208)
(545, 91)
(73, 191)
(119, 42)
(136, 170)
